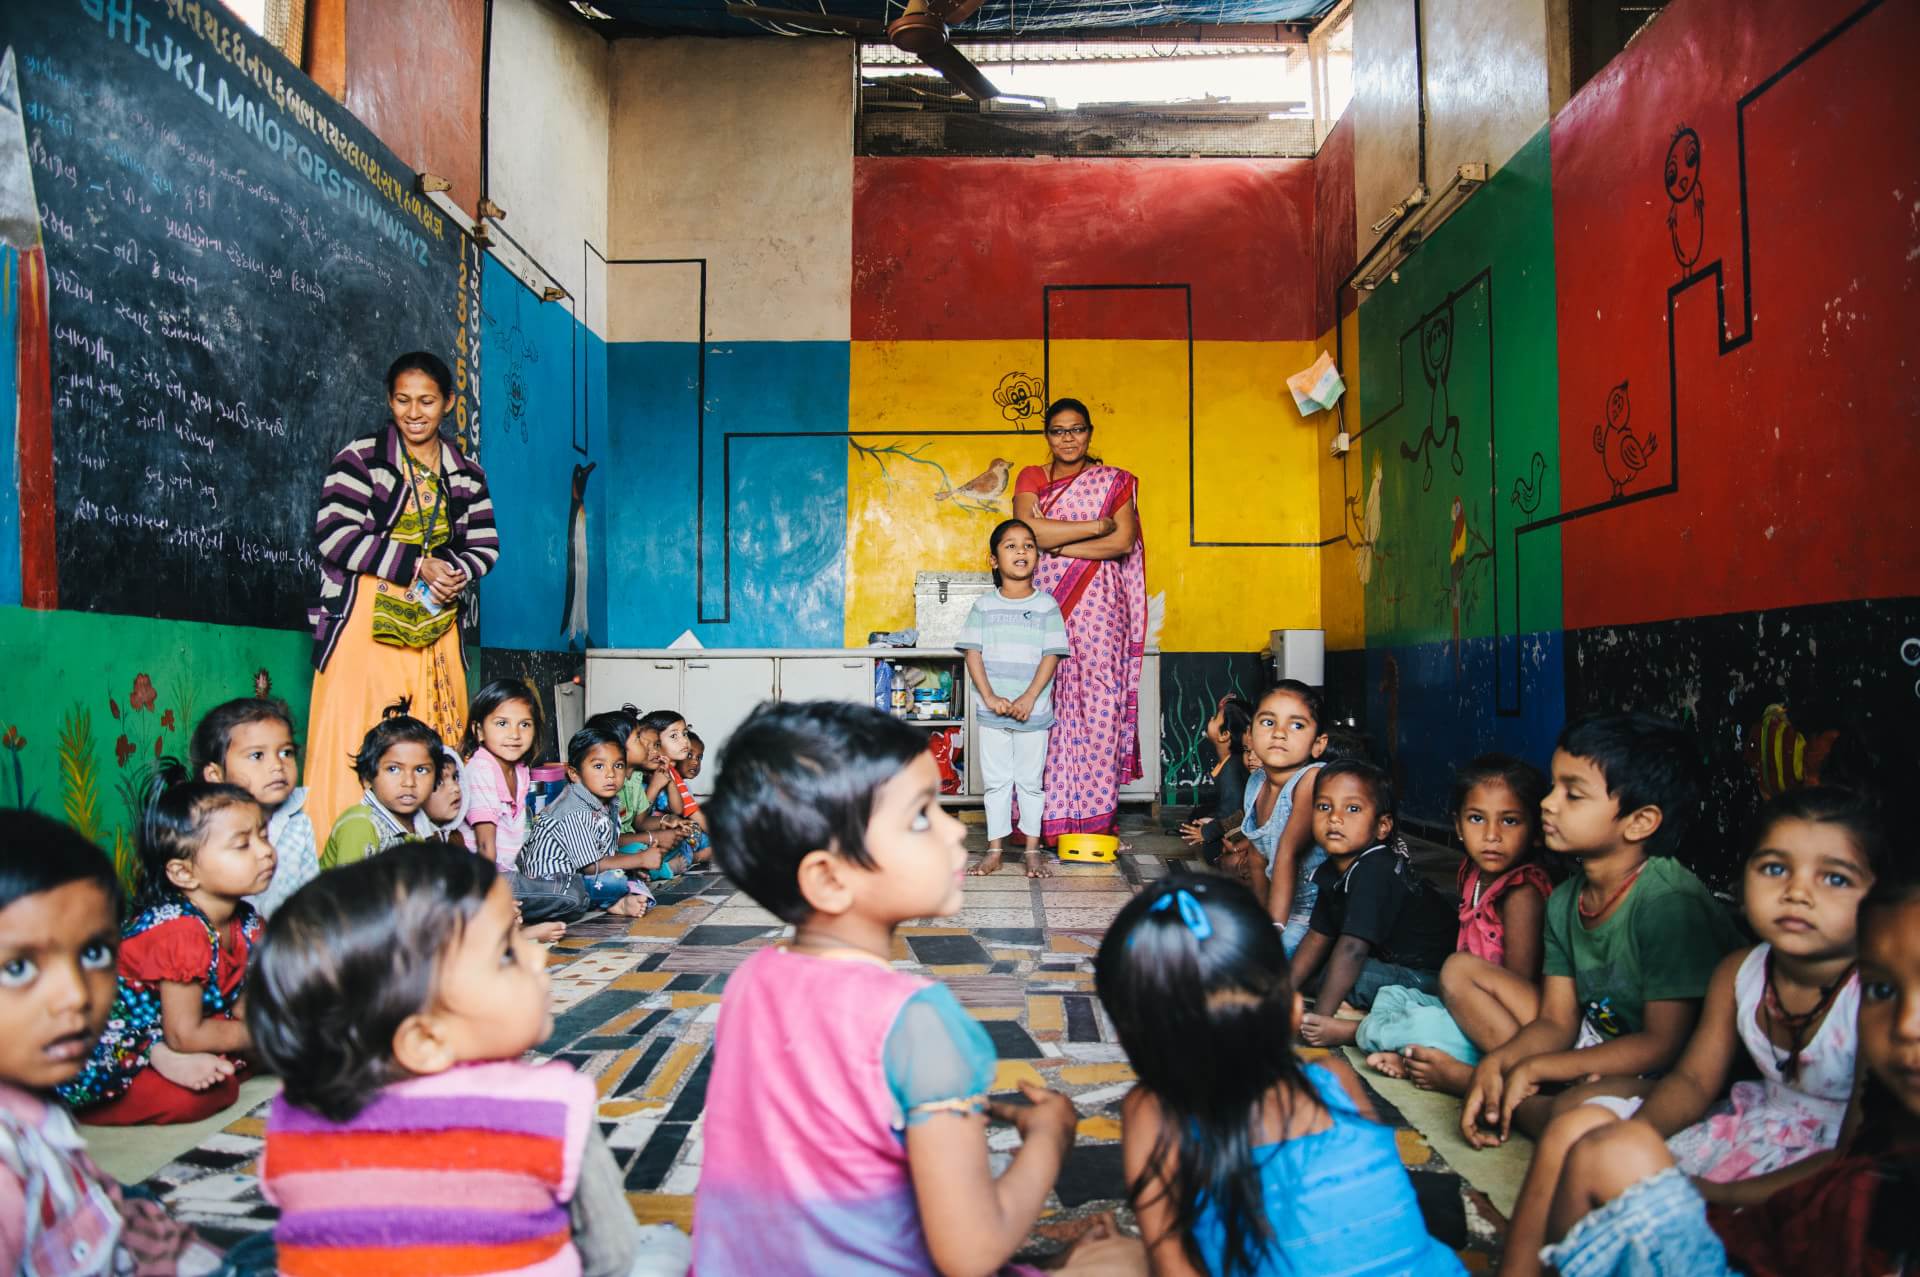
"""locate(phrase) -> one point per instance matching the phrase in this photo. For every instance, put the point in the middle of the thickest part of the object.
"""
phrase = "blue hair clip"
(1191, 913)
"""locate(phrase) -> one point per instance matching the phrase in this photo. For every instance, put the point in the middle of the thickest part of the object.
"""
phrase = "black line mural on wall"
(1436, 362)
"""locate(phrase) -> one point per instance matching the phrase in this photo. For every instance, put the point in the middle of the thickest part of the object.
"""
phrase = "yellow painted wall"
(1343, 508)
(1255, 467)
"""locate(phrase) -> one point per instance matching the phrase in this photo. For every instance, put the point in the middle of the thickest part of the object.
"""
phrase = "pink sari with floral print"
(1094, 747)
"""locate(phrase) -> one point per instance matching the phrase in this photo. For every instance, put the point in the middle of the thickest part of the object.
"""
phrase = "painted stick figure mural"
(1687, 199)
(1621, 454)
(1436, 361)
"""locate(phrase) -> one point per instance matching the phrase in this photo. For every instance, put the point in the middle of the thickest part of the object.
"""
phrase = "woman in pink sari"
(1084, 514)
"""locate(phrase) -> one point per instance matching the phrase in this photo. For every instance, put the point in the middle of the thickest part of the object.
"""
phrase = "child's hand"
(1521, 1084)
(1001, 706)
(1046, 1115)
(666, 838)
(1480, 1114)
(1022, 709)
(1194, 832)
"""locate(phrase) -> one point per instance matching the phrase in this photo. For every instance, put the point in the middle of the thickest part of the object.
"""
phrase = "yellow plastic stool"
(1095, 849)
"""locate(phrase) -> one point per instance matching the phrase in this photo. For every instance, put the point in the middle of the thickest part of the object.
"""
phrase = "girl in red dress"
(176, 1037)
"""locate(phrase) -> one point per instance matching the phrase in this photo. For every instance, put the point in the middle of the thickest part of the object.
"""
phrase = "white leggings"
(1011, 761)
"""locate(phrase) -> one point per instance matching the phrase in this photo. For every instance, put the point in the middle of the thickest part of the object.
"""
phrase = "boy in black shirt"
(1377, 922)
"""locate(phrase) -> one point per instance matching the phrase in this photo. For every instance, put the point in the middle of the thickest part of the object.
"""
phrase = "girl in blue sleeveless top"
(1239, 1159)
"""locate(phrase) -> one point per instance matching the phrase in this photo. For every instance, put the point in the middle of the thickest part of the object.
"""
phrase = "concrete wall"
(1487, 79)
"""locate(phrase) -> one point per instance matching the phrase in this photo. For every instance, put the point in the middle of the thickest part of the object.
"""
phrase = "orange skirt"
(361, 679)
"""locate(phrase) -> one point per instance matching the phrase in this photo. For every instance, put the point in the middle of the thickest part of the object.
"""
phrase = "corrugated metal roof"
(709, 17)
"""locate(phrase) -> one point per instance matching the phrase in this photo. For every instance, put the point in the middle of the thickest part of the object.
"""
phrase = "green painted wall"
(89, 702)
(1488, 405)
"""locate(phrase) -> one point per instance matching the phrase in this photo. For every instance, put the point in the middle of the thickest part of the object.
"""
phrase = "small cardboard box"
(941, 601)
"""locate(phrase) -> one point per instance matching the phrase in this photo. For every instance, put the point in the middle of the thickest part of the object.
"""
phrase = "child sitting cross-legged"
(1786, 1005)
(1491, 984)
(396, 998)
(672, 808)
(579, 835)
(174, 1045)
(1239, 1158)
(846, 1120)
(1376, 921)
(1624, 1208)
(1210, 823)
(1285, 738)
(397, 767)
(1632, 938)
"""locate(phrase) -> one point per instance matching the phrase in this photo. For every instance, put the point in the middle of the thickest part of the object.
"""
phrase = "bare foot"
(1329, 1031)
(545, 932)
(1387, 1064)
(989, 864)
(631, 906)
(196, 1071)
(1435, 1070)
(1036, 863)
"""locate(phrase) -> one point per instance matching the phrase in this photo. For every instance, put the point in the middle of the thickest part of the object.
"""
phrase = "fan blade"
(865, 27)
(966, 77)
(954, 14)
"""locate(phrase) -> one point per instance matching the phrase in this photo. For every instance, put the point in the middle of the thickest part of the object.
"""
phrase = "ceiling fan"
(922, 31)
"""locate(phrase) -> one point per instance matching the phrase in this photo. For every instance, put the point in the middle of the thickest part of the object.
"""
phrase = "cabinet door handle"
(663, 665)
(851, 665)
(696, 665)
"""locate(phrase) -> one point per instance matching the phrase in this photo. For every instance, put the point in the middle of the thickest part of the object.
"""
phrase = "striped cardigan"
(467, 1171)
(361, 503)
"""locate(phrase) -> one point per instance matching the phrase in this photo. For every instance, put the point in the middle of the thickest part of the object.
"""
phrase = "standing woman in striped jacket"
(405, 530)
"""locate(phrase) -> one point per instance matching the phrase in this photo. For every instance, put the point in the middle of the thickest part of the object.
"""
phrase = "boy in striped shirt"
(579, 834)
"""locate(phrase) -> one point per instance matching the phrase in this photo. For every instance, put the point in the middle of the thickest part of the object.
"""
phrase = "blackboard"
(233, 261)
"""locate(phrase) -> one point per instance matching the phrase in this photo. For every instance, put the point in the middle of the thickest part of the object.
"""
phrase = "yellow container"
(1089, 848)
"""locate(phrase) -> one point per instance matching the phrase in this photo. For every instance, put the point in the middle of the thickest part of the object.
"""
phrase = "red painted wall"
(947, 249)
(1334, 235)
(413, 77)
(1793, 429)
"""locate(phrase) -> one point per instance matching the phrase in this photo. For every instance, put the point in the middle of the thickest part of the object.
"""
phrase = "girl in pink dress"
(1084, 514)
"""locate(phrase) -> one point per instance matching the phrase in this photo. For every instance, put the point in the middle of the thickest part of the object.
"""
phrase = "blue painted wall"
(543, 409)
(760, 480)
(1435, 714)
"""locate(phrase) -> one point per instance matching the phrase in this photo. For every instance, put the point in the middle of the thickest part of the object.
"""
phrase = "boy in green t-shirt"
(1632, 939)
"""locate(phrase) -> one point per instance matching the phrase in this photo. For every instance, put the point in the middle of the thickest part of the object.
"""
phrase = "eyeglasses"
(1068, 432)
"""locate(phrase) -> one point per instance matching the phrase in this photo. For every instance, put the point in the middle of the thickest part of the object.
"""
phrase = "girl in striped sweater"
(396, 998)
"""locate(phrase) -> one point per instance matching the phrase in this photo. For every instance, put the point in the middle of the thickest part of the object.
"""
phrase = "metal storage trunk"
(941, 601)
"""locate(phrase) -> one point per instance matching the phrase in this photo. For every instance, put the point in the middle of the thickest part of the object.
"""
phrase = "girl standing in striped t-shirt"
(1014, 639)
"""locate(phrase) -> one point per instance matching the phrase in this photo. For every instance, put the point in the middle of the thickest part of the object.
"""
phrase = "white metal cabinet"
(717, 692)
(646, 683)
(827, 678)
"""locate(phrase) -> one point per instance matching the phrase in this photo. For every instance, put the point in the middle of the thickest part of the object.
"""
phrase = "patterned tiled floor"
(635, 1005)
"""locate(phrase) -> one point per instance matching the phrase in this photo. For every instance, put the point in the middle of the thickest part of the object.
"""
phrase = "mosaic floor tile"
(946, 950)
(635, 1004)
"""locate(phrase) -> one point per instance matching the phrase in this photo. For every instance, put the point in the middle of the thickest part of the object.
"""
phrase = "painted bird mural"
(1687, 199)
(573, 616)
(1621, 454)
(985, 486)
